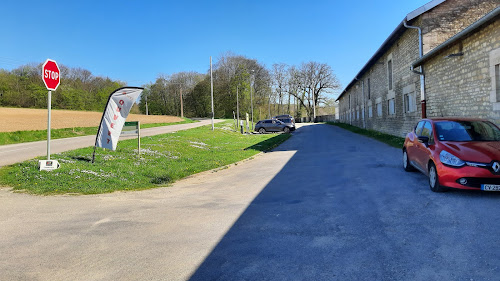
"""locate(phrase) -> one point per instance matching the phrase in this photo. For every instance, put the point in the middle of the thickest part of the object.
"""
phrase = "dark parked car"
(271, 125)
(455, 152)
(288, 120)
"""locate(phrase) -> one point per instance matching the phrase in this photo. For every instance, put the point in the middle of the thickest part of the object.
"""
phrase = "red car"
(455, 153)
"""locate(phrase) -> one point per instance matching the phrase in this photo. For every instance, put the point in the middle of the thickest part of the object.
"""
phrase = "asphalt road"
(14, 153)
(325, 205)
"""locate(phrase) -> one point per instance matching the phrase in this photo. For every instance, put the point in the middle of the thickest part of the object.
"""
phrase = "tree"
(236, 73)
(280, 82)
(164, 95)
(198, 101)
(311, 84)
(23, 87)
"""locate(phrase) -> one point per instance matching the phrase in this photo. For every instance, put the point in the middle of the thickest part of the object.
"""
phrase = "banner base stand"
(48, 165)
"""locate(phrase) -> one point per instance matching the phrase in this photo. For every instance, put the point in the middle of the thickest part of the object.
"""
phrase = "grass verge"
(40, 135)
(385, 138)
(164, 159)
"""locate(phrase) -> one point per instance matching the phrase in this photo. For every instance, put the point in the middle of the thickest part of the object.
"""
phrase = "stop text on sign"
(51, 74)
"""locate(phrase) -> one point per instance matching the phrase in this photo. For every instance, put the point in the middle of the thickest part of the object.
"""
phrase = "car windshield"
(467, 131)
(286, 120)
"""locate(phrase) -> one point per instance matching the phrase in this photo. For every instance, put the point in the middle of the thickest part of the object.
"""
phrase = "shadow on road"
(342, 208)
(270, 143)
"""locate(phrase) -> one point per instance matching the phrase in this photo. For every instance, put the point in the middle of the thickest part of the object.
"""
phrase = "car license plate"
(490, 187)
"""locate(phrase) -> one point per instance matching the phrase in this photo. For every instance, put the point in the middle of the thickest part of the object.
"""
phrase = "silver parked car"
(287, 119)
(271, 125)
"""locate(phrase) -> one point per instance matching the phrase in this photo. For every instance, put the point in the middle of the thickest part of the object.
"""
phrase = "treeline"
(233, 76)
(23, 87)
(296, 90)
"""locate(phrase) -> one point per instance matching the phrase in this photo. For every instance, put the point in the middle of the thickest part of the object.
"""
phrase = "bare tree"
(280, 81)
(311, 84)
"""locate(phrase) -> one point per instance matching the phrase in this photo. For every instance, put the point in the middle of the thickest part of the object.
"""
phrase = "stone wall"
(403, 52)
(438, 25)
(464, 85)
(451, 17)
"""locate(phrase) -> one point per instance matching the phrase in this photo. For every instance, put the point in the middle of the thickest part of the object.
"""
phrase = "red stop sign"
(51, 74)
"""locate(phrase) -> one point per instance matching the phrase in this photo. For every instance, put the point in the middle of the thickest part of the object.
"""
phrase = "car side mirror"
(423, 139)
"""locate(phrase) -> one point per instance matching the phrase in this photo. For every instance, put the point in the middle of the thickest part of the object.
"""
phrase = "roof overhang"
(488, 18)
(400, 29)
(423, 9)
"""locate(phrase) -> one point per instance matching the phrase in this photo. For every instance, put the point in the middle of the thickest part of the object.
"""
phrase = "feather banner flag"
(116, 111)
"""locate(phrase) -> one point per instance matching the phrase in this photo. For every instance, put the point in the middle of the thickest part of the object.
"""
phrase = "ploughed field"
(24, 119)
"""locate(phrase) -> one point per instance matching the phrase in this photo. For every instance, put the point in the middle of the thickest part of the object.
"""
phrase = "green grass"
(151, 125)
(385, 138)
(164, 159)
(39, 135)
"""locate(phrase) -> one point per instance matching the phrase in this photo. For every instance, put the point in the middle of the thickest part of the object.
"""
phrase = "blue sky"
(134, 41)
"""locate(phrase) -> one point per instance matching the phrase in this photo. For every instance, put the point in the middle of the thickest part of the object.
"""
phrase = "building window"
(389, 73)
(357, 114)
(497, 80)
(410, 104)
(379, 109)
(494, 69)
(368, 87)
(370, 112)
(390, 107)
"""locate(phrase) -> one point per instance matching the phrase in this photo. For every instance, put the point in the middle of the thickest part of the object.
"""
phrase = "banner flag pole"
(115, 112)
(100, 124)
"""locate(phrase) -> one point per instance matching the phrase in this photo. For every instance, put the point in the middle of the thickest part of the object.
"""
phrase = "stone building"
(395, 89)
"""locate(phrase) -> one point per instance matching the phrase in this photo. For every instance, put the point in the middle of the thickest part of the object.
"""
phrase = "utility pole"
(251, 101)
(212, 92)
(182, 107)
(270, 93)
(251, 93)
(237, 108)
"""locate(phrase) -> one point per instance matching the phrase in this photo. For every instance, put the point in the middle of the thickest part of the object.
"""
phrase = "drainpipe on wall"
(363, 101)
(363, 104)
(421, 72)
(350, 112)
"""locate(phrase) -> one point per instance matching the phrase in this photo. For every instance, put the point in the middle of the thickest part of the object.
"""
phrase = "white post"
(48, 125)
(212, 92)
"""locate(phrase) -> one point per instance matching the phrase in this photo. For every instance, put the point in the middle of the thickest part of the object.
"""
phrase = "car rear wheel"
(262, 130)
(434, 179)
(406, 162)
(286, 130)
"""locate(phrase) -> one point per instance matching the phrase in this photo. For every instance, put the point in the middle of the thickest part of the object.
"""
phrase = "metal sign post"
(134, 128)
(51, 78)
(49, 101)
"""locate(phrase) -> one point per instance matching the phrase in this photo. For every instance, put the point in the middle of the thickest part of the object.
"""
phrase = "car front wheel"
(262, 130)
(434, 179)
(406, 162)
(286, 130)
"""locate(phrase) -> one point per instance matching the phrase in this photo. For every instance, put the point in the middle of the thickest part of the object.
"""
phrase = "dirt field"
(23, 119)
